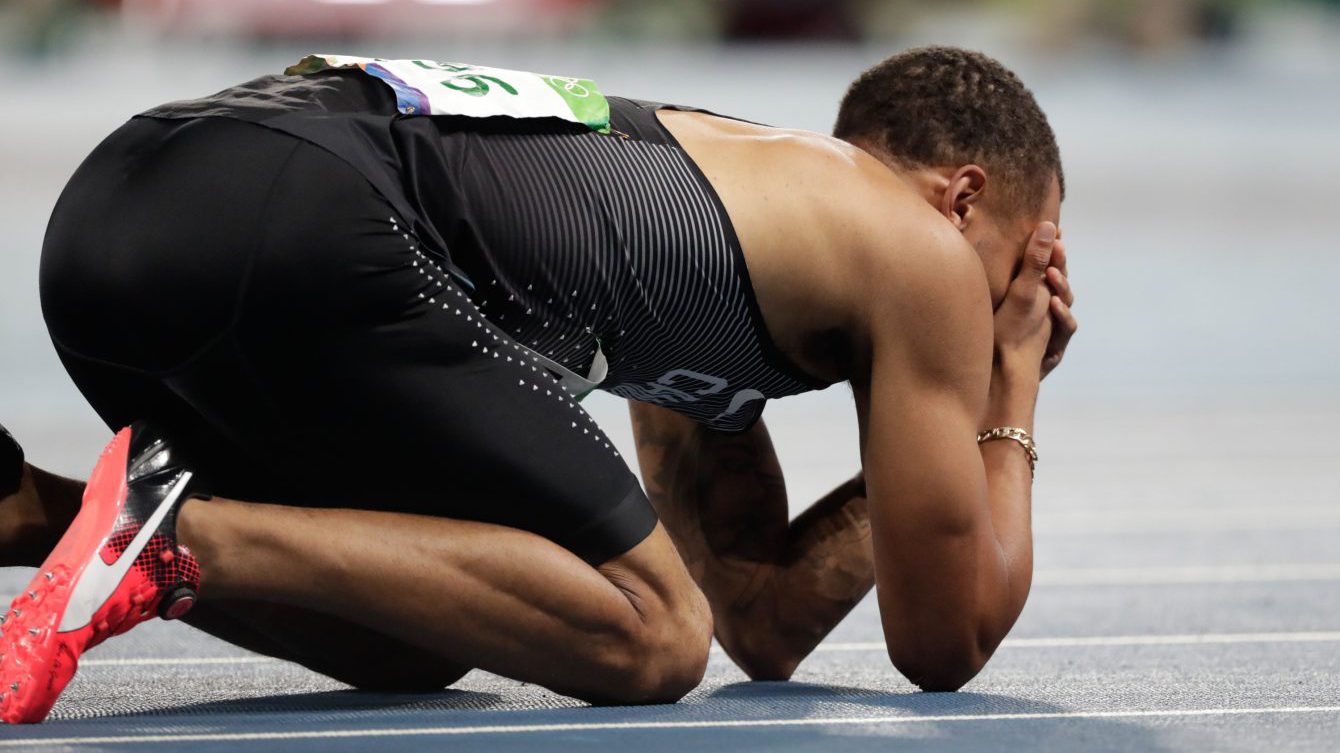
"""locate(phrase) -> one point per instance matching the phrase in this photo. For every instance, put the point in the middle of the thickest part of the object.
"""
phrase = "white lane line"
(1153, 576)
(1191, 639)
(172, 662)
(1185, 639)
(1317, 636)
(601, 726)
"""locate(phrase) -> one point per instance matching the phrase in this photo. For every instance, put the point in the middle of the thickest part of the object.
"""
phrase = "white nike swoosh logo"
(100, 579)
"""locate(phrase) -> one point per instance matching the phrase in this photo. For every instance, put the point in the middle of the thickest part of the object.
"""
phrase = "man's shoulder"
(921, 295)
(906, 269)
(914, 285)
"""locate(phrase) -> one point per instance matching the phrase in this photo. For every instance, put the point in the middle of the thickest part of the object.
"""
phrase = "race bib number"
(427, 87)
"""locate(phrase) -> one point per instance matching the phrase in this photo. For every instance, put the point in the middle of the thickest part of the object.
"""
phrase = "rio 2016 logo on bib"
(428, 87)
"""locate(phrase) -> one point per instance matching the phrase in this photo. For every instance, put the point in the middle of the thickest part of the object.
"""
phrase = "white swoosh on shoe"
(99, 579)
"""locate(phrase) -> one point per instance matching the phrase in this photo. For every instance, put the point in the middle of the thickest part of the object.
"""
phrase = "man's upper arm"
(939, 572)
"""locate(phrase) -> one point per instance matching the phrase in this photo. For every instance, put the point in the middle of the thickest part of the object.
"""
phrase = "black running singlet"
(609, 256)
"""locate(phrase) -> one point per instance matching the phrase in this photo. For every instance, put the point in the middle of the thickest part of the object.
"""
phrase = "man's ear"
(961, 194)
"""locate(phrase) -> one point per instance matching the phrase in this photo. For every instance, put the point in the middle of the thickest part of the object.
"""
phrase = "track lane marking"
(609, 726)
(1189, 639)
(1186, 639)
(185, 661)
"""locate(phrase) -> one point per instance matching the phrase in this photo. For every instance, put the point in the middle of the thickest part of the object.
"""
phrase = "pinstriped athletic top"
(591, 250)
(618, 243)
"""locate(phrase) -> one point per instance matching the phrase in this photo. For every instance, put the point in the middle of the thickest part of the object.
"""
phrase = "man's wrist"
(1013, 396)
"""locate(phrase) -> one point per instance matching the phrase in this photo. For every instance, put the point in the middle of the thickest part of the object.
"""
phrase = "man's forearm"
(825, 570)
(1013, 401)
(776, 588)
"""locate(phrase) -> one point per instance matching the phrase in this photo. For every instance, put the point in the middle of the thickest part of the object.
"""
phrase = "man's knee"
(662, 655)
(655, 652)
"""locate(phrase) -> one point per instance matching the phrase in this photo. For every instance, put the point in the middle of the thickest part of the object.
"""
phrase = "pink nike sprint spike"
(118, 565)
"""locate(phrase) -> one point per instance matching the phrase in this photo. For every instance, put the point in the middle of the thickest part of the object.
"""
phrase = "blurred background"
(1201, 140)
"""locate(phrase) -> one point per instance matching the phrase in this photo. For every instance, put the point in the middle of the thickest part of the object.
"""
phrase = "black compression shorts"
(256, 298)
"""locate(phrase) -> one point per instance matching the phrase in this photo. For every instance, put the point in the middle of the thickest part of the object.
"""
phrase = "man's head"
(970, 137)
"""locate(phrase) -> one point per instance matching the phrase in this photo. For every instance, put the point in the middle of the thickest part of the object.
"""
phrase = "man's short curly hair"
(935, 106)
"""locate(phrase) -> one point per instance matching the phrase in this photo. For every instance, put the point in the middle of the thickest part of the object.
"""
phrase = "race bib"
(427, 87)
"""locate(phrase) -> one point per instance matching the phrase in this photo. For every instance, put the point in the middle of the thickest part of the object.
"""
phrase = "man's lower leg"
(358, 656)
(507, 601)
(470, 593)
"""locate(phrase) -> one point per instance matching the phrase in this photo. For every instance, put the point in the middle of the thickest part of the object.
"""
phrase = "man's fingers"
(1060, 285)
(1058, 254)
(1065, 320)
(1064, 327)
(1039, 253)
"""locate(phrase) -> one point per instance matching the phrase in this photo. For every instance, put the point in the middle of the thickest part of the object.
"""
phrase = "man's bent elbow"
(939, 670)
(761, 657)
(767, 667)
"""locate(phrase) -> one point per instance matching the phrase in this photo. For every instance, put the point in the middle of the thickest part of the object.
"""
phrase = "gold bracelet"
(1018, 435)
